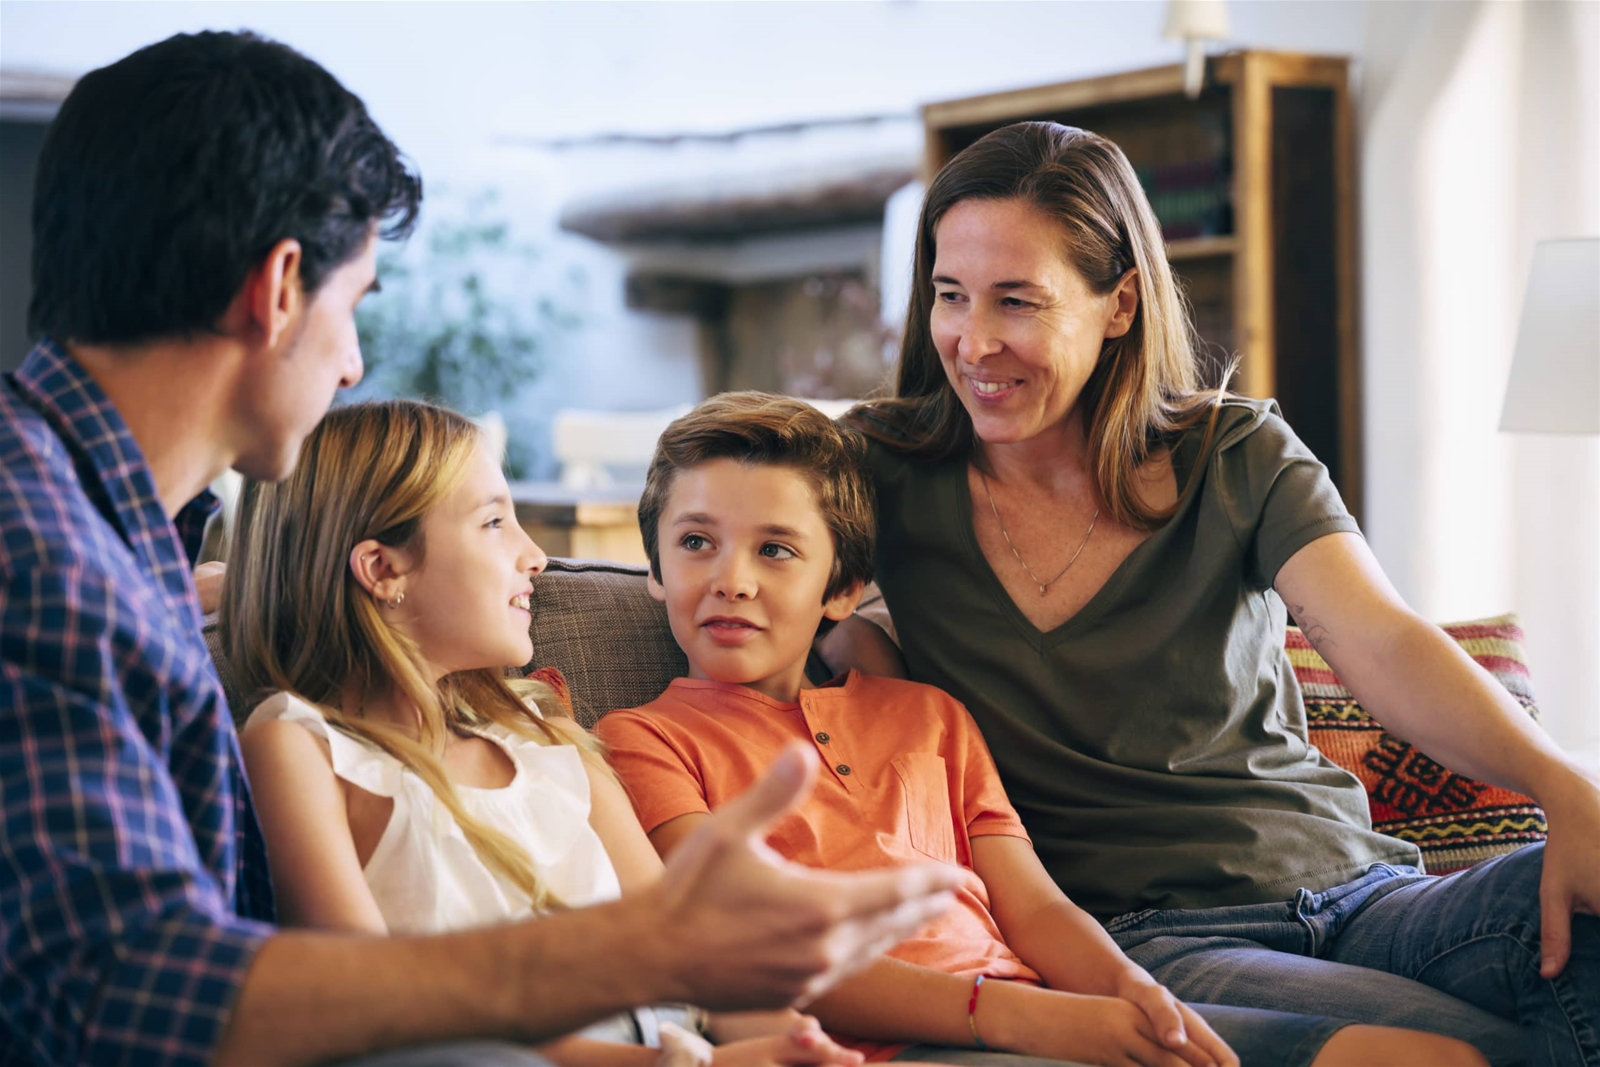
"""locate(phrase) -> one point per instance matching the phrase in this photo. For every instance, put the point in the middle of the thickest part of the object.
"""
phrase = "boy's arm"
(1072, 952)
(1054, 936)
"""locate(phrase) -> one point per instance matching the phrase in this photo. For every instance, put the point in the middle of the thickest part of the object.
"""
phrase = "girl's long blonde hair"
(294, 618)
(1145, 387)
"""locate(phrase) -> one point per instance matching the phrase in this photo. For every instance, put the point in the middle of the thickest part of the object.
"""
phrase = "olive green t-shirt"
(1154, 743)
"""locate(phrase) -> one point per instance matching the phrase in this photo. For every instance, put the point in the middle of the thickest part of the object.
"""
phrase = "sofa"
(597, 623)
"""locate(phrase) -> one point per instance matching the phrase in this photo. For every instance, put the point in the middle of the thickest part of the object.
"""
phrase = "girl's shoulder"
(354, 759)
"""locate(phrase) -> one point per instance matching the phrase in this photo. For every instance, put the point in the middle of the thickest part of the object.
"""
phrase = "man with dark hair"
(206, 217)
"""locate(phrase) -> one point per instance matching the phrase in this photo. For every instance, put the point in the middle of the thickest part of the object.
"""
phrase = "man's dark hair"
(169, 175)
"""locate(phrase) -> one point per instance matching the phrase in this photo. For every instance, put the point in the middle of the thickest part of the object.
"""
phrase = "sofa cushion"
(598, 624)
(1455, 820)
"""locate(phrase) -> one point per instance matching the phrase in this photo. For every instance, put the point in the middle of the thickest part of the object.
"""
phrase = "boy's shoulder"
(857, 683)
(879, 691)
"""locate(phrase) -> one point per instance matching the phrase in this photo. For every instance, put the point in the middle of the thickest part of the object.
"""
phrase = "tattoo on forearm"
(1318, 634)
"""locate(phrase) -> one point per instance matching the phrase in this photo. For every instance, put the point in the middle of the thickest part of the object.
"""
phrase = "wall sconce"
(1196, 21)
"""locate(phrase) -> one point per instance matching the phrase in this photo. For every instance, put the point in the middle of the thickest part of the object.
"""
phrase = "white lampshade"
(1555, 373)
(1196, 18)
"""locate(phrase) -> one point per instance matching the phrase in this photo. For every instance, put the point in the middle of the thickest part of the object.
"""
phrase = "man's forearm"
(311, 997)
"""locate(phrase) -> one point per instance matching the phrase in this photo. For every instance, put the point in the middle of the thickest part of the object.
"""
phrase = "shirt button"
(843, 768)
(823, 738)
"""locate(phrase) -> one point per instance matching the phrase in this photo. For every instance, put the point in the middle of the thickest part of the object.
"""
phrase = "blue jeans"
(1457, 955)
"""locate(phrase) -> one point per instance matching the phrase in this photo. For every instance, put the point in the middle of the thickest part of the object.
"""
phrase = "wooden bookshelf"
(1260, 224)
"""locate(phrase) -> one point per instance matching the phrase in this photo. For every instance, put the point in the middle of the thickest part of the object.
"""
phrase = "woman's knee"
(1385, 1046)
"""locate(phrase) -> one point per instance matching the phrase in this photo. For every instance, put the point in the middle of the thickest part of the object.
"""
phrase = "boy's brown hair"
(763, 428)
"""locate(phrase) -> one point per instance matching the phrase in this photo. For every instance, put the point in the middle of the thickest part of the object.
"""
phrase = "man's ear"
(1125, 304)
(380, 569)
(273, 295)
(657, 590)
(842, 604)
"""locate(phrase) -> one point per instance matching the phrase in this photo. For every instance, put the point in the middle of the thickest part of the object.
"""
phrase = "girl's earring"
(398, 597)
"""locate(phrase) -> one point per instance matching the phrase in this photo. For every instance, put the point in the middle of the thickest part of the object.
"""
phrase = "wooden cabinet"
(1254, 183)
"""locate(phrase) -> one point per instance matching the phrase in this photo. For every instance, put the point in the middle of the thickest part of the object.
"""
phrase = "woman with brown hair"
(1095, 555)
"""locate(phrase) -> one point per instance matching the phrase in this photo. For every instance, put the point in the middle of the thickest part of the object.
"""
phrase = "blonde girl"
(406, 784)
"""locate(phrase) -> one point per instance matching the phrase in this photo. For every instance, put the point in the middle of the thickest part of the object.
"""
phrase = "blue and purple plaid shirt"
(133, 879)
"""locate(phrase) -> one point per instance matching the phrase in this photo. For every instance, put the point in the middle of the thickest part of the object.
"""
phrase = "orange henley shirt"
(907, 778)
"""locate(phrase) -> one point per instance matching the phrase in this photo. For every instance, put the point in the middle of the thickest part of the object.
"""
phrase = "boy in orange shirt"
(757, 516)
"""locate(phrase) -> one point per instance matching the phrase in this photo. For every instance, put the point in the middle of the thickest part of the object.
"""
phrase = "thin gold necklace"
(1043, 586)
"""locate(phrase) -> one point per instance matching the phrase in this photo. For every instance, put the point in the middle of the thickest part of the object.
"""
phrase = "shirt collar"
(111, 466)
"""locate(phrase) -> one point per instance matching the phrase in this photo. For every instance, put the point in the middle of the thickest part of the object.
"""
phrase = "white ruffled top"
(424, 874)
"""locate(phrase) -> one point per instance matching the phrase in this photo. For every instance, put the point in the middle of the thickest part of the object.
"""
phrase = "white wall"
(1481, 125)
(446, 78)
(463, 87)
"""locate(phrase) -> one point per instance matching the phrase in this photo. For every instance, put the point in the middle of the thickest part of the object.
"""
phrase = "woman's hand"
(1173, 1021)
(858, 644)
(1571, 879)
(803, 1043)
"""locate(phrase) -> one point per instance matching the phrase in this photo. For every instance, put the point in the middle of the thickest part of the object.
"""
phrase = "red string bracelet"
(972, 1013)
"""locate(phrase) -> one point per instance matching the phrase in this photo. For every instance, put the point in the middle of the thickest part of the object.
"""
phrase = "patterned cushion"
(1455, 820)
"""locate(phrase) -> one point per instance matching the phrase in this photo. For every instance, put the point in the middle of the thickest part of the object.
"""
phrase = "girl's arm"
(1425, 689)
(301, 806)
(611, 815)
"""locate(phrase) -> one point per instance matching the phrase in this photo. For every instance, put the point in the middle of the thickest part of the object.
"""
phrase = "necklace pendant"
(1042, 589)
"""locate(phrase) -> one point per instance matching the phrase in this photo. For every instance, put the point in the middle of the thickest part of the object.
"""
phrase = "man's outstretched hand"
(752, 930)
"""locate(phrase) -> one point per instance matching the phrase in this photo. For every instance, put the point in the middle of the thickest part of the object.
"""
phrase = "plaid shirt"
(132, 870)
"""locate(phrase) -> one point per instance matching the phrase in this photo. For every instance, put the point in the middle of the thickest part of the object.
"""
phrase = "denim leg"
(1475, 936)
(453, 1054)
(1235, 971)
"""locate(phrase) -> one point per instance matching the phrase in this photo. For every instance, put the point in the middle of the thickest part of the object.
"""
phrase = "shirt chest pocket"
(925, 791)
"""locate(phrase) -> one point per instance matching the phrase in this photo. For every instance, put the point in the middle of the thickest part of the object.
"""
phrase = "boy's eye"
(772, 550)
(693, 542)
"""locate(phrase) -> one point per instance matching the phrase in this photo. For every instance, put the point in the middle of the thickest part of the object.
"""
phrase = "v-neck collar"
(1185, 461)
